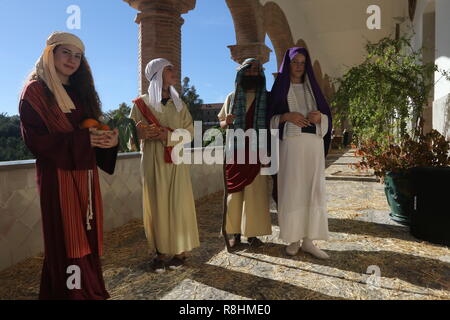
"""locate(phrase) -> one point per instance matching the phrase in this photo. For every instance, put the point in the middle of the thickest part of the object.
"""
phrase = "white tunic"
(301, 177)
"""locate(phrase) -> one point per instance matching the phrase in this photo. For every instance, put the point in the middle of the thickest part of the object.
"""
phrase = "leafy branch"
(384, 96)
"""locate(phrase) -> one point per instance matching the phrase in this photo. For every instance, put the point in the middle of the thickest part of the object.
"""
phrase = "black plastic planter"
(430, 218)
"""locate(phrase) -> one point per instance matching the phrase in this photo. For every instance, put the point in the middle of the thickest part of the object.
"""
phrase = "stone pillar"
(429, 51)
(160, 33)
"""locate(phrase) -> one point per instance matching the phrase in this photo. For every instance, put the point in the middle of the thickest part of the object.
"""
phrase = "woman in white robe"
(301, 113)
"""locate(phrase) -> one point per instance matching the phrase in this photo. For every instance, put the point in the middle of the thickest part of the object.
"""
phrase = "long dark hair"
(82, 83)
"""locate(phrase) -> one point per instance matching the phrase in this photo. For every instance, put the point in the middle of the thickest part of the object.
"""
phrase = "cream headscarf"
(45, 68)
(154, 74)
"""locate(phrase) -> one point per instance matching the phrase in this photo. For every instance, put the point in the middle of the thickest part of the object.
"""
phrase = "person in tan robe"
(170, 220)
(248, 191)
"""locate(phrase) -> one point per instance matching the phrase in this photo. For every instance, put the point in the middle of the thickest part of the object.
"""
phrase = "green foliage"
(127, 128)
(12, 147)
(192, 99)
(431, 150)
(387, 92)
(212, 138)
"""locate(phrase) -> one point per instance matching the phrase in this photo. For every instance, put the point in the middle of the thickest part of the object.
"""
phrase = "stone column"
(160, 33)
(429, 52)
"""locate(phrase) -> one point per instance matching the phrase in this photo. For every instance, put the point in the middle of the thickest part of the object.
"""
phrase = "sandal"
(176, 263)
(255, 242)
(159, 265)
(234, 239)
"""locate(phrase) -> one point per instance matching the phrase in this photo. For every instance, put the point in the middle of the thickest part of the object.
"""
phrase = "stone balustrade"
(20, 215)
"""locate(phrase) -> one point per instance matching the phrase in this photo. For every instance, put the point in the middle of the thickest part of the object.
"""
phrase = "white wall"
(442, 87)
(441, 105)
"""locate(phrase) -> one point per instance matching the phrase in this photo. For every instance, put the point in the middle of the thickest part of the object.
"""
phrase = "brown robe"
(68, 151)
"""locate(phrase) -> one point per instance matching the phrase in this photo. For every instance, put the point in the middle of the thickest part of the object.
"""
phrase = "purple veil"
(278, 96)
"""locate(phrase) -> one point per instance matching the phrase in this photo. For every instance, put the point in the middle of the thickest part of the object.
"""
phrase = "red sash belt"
(151, 119)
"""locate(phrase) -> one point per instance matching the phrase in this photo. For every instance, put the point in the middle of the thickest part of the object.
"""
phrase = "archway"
(277, 28)
(249, 28)
(160, 24)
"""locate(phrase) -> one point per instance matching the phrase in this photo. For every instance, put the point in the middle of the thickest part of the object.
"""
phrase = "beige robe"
(170, 220)
(248, 210)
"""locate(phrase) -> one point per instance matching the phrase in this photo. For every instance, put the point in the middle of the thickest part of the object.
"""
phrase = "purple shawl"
(278, 97)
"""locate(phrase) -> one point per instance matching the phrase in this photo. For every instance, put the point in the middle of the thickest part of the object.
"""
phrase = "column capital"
(161, 8)
(257, 50)
(155, 13)
(181, 6)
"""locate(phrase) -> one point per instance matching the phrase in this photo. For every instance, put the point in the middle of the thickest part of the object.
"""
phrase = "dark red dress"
(68, 151)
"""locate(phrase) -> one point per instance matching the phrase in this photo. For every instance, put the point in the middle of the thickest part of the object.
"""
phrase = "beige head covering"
(45, 68)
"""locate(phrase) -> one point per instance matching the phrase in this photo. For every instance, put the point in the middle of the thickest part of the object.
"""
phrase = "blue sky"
(110, 36)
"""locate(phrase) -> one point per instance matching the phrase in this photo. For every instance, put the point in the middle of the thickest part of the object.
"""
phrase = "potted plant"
(383, 100)
(392, 163)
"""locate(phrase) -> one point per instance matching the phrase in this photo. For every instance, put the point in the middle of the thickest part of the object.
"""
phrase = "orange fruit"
(104, 127)
(89, 123)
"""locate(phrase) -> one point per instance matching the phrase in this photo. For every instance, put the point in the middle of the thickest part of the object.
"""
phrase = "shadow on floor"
(373, 229)
(420, 271)
(253, 287)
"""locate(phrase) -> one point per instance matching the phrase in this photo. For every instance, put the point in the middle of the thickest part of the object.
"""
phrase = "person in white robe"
(299, 110)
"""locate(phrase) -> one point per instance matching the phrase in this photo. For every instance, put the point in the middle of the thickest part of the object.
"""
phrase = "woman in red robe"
(59, 95)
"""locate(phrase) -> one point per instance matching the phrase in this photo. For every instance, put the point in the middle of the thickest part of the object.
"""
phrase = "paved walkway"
(362, 240)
